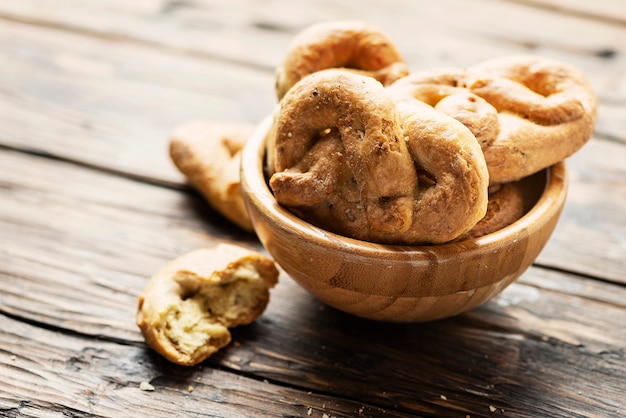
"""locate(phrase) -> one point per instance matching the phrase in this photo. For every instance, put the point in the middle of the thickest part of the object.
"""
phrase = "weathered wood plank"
(436, 35)
(184, 24)
(82, 232)
(521, 353)
(113, 105)
(524, 352)
(583, 242)
(44, 373)
(77, 246)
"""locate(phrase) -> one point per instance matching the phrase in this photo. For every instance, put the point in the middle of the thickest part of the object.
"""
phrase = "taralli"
(342, 44)
(546, 110)
(346, 157)
(186, 309)
(438, 89)
(371, 145)
(449, 155)
(506, 205)
(208, 154)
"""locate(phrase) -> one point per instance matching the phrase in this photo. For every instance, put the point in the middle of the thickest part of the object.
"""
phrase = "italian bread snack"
(530, 112)
(348, 158)
(505, 206)
(209, 154)
(358, 46)
(187, 308)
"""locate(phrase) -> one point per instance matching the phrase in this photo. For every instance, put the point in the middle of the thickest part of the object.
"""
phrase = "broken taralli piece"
(187, 308)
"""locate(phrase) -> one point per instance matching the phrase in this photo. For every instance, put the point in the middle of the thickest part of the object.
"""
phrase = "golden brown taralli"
(437, 89)
(505, 206)
(209, 155)
(353, 113)
(187, 307)
(345, 154)
(547, 112)
(358, 46)
(546, 109)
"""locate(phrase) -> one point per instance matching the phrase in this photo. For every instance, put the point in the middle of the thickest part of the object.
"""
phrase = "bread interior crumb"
(209, 306)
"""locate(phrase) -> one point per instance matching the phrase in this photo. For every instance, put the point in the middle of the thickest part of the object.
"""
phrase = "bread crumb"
(325, 416)
(13, 357)
(146, 386)
(492, 408)
(309, 411)
(190, 389)
(443, 397)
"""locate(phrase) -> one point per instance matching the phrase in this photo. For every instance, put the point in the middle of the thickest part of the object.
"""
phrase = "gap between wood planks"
(141, 345)
(155, 181)
(581, 275)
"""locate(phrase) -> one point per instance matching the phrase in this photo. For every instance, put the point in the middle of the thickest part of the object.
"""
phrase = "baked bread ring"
(187, 307)
(437, 88)
(209, 155)
(546, 110)
(346, 44)
(345, 156)
(506, 205)
(357, 110)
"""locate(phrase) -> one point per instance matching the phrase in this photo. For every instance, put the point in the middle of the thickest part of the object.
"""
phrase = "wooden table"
(91, 206)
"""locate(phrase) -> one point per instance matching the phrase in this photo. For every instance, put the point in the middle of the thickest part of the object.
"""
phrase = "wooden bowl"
(400, 283)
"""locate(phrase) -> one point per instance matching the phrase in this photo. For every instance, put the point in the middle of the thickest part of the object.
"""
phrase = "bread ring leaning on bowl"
(400, 283)
(209, 155)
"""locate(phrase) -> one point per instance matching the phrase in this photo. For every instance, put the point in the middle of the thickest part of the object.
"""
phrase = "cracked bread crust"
(187, 308)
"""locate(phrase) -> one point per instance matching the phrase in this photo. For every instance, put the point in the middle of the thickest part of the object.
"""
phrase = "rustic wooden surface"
(90, 206)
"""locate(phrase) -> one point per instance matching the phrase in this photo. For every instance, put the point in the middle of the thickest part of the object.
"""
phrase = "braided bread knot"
(345, 156)
(528, 112)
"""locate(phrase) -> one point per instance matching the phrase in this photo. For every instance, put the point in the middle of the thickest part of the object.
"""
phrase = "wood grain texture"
(63, 375)
(111, 105)
(82, 249)
(516, 353)
(597, 191)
